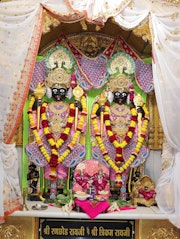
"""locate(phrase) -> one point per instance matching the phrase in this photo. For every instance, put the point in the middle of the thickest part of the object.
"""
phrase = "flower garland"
(54, 158)
(112, 136)
(119, 169)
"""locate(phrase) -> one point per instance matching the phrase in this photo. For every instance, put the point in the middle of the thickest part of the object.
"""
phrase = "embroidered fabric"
(39, 73)
(91, 72)
(76, 156)
(144, 76)
(96, 71)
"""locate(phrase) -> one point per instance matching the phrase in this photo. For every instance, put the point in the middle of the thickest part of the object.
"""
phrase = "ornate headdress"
(60, 63)
(120, 63)
(120, 82)
(58, 76)
(121, 67)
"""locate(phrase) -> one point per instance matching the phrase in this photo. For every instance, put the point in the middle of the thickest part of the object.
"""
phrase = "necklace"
(58, 107)
(112, 136)
(57, 116)
(119, 165)
(54, 158)
(120, 110)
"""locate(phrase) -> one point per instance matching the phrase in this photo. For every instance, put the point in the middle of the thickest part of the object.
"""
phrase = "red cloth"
(147, 195)
(92, 208)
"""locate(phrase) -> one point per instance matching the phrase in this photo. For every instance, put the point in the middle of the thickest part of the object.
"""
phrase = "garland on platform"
(54, 158)
(120, 164)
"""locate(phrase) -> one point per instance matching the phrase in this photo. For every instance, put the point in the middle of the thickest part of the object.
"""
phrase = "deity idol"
(119, 123)
(58, 126)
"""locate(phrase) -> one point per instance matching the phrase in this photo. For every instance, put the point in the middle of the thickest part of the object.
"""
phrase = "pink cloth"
(127, 208)
(91, 208)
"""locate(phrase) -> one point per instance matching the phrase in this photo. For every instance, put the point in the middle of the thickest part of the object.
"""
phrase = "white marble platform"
(151, 213)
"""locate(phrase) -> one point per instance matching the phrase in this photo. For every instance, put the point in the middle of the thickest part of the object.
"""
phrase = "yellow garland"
(60, 141)
(127, 163)
(46, 130)
(129, 134)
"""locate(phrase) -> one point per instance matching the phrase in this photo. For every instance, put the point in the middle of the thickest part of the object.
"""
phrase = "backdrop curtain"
(165, 25)
(20, 27)
(20, 33)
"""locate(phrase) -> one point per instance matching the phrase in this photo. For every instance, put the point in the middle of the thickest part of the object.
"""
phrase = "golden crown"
(122, 81)
(58, 76)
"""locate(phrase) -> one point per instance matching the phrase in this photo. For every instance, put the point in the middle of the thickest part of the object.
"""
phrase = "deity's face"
(59, 92)
(89, 46)
(120, 97)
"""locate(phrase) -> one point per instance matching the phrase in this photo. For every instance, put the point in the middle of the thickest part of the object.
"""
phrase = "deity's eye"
(124, 94)
(54, 90)
(62, 91)
(117, 94)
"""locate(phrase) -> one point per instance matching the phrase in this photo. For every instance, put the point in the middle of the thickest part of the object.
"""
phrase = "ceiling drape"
(20, 28)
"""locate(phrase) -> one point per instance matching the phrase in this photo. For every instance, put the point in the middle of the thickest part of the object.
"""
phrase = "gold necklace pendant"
(120, 110)
(58, 107)
(56, 121)
(120, 126)
(55, 126)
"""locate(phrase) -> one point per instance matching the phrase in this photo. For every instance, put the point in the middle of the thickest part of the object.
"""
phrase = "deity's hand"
(100, 109)
(140, 110)
(78, 105)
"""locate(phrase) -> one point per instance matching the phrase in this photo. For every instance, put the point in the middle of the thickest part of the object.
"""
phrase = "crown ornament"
(119, 82)
(58, 76)
(60, 63)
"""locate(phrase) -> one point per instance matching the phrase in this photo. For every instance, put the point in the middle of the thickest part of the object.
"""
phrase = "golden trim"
(162, 232)
(18, 136)
(11, 232)
(143, 31)
(173, 1)
(49, 22)
(156, 133)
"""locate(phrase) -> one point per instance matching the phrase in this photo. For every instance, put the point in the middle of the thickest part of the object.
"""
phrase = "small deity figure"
(90, 46)
(143, 192)
(58, 144)
(92, 176)
(33, 177)
(100, 180)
